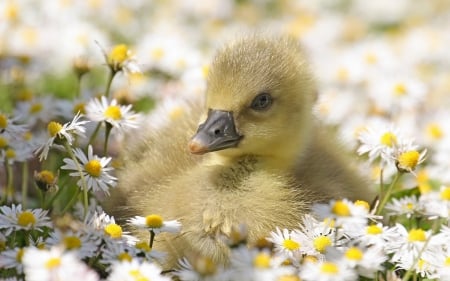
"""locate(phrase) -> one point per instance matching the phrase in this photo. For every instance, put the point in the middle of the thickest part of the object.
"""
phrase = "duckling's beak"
(217, 133)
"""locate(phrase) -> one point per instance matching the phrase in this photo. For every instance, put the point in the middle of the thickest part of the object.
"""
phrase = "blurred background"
(376, 62)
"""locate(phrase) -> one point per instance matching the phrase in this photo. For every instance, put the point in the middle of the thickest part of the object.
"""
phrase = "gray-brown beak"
(217, 133)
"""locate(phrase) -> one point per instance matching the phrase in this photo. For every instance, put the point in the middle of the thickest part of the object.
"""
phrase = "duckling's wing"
(328, 168)
(152, 158)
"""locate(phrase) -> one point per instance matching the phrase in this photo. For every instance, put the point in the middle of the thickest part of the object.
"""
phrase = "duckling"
(257, 157)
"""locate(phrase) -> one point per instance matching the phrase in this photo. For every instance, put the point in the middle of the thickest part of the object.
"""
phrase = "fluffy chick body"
(281, 163)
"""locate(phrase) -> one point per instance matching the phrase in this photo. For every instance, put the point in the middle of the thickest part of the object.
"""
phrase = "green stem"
(24, 184)
(80, 171)
(10, 180)
(94, 134)
(152, 238)
(388, 192)
(72, 201)
(107, 133)
(112, 73)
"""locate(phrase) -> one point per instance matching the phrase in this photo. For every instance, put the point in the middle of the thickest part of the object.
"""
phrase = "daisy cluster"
(77, 76)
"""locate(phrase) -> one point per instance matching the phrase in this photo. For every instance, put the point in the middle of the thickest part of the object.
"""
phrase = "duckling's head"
(258, 101)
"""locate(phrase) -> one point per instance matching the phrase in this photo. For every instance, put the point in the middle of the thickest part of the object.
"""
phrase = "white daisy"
(327, 271)
(408, 206)
(119, 116)
(320, 235)
(95, 170)
(200, 268)
(121, 58)
(66, 132)
(102, 227)
(367, 261)
(255, 265)
(345, 213)
(409, 243)
(135, 270)
(9, 128)
(156, 224)
(13, 219)
(41, 109)
(380, 142)
(290, 244)
(12, 259)
(55, 264)
(112, 253)
(77, 242)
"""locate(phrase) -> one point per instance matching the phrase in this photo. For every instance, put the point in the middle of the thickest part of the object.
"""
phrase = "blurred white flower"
(134, 270)
(55, 264)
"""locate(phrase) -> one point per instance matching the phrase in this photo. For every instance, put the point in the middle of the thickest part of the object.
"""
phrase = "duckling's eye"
(262, 102)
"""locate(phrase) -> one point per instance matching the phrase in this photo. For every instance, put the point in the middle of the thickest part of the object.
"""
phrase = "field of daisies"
(77, 76)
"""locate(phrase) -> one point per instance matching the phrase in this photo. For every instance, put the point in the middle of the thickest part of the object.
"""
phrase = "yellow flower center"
(19, 255)
(52, 263)
(205, 70)
(340, 208)
(262, 260)
(118, 54)
(72, 242)
(113, 230)
(421, 263)
(354, 253)
(371, 58)
(137, 275)
(27, 136)
(26, 218)
(176, 113)
(447, 261)
(388, 139)
(321, 243)
(445, 193)
(93, 168)
(10, 153)
(154, 221)
(329, 268)
(124, 257)
(374, 229)
(79, 107)
(288, 278)
(435, 131)
(2, 245)
(54, 128)
(309, 258)
(409, 159)
(342, 74)
(3, 121)
(46, 176)
(400, 89)
(36, 108)
(3, 142)
(409, 206)
(291, 245)
(113, 112)
(11, 12)
(417, 235)
(143, 246)
(205, 266)
(157, 53)
(363, 204)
